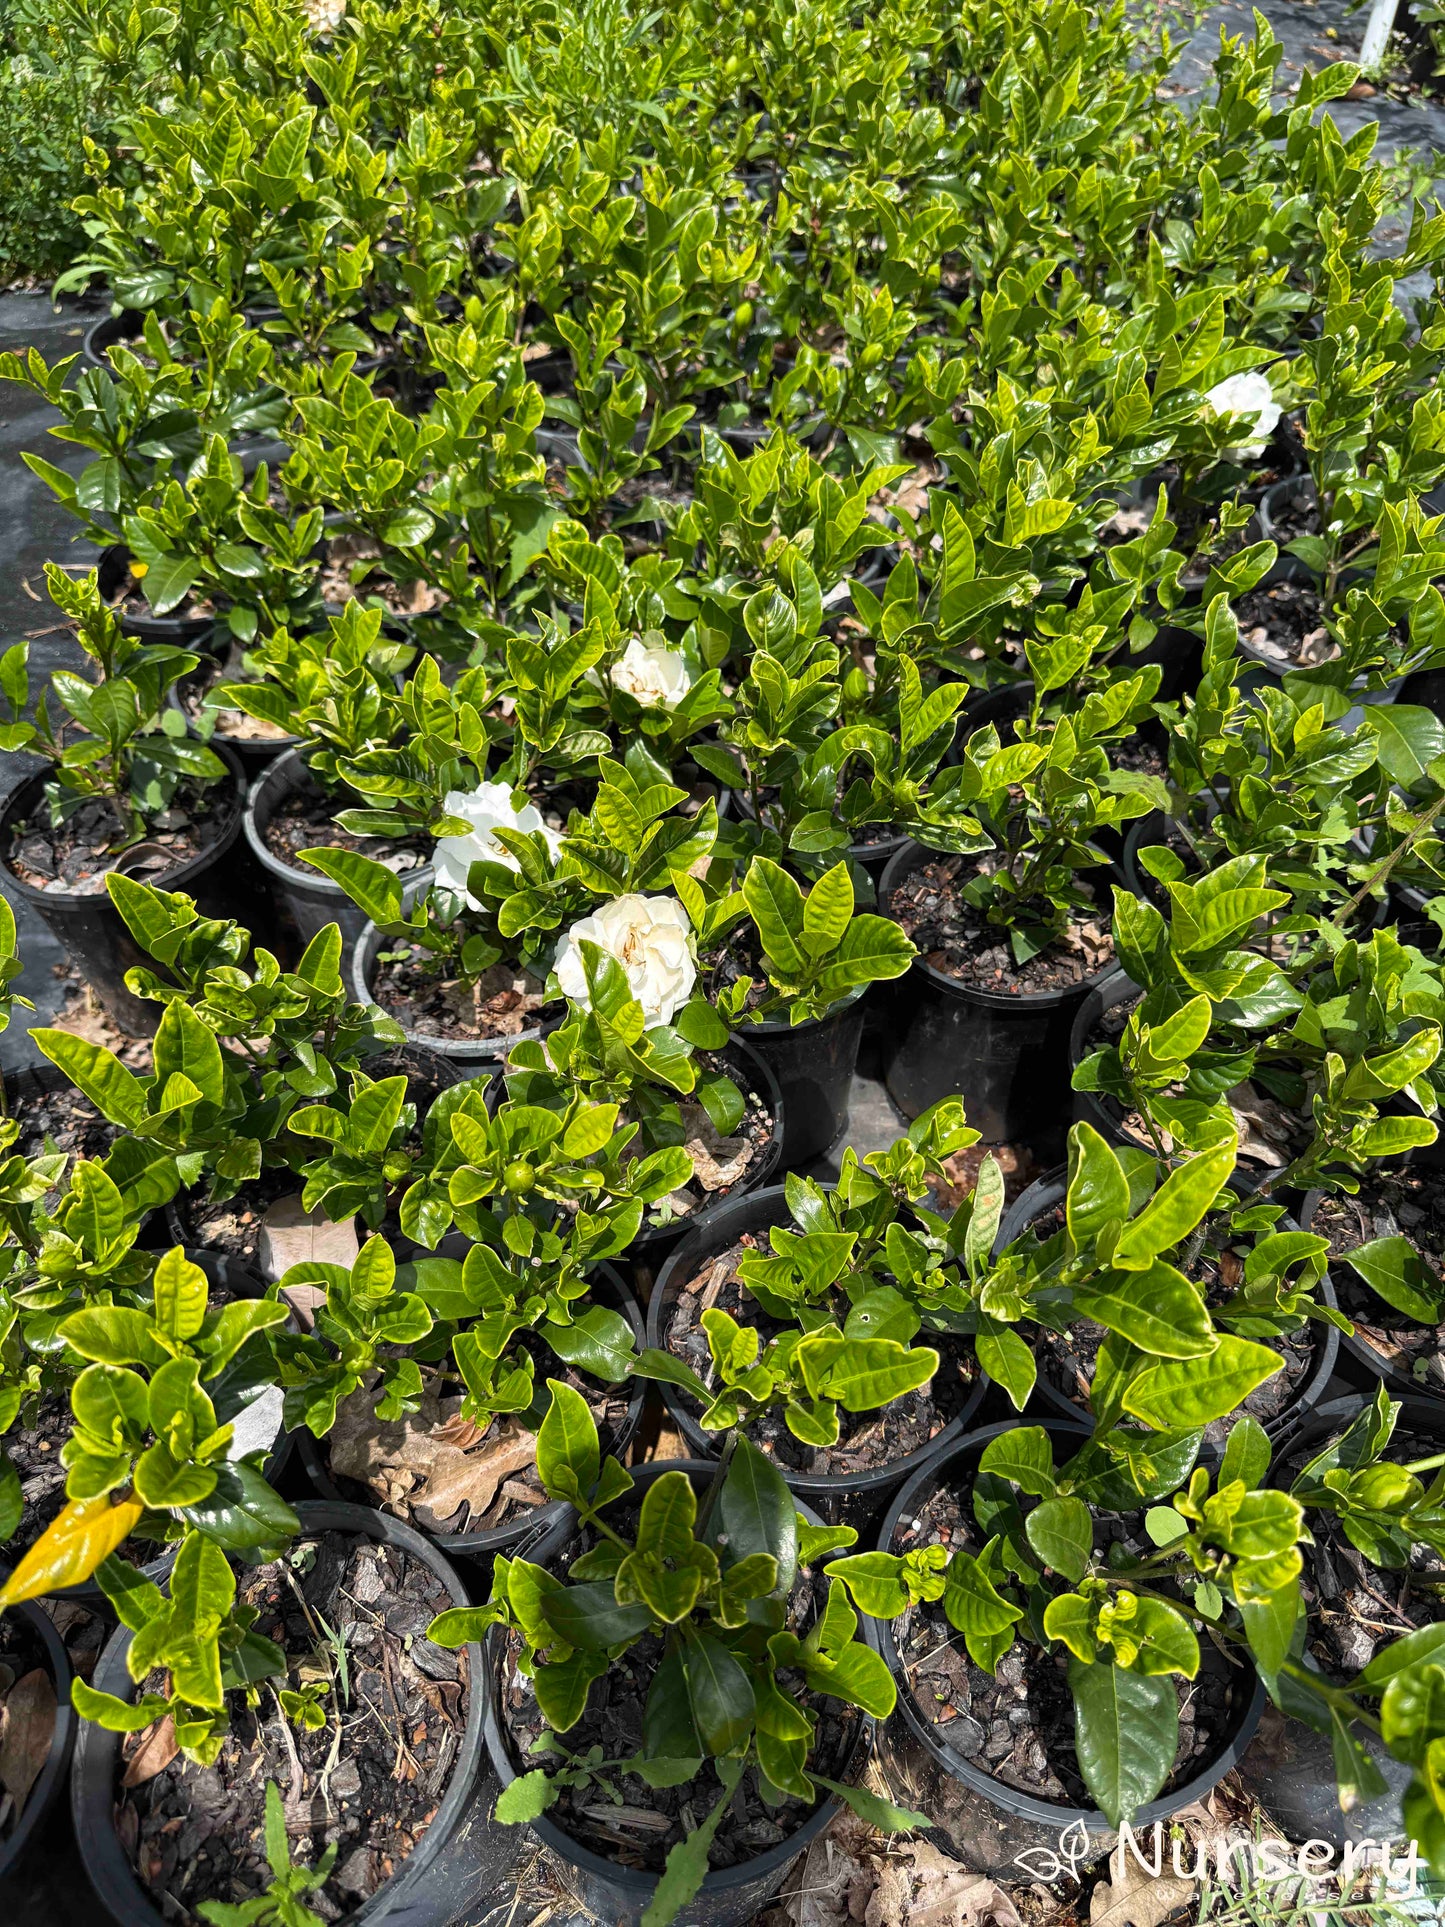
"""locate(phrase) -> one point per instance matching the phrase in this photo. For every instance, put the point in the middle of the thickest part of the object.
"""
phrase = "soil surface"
(867, 1440)
(33, 1448)
(62, 1120)
(721, 1165)
(1295, 514)
(1285, 624)
(955, 939)
(504, 1001)
(27, 1716)
(348, 572)
(304, 821)
(640, 1832)
(1018, 1724)
(76, 858)
(370, 1780)
(1409, 1202)
(1355, 1607)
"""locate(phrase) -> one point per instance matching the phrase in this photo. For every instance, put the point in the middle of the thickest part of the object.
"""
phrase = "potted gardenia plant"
(792, 1314)
(689, 1587)
(125, 789)
(1009, 940)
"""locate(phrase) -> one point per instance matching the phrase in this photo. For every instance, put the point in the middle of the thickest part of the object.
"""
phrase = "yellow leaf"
(70, 1548)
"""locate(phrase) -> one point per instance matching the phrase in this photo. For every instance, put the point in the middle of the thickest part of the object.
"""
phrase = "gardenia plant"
(713, 1582)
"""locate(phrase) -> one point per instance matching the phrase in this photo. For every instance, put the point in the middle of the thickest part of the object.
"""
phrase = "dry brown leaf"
(946, 1894)
(29, 1730)
(716, 1161)
(156, 1751)
(838, 1875)
(291, 1235)
(410, 1461)
(473, 1477)
(1132, 1897)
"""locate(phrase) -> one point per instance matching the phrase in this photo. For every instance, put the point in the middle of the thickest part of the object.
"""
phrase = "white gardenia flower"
(486, 809)
(1251, 397)
(651, 938)
(652, 673)
(324, 16)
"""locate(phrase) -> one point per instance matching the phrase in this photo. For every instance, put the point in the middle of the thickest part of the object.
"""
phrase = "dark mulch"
(76, 858)
(639, 1833)
(1405, 1201)
(1141, 755)
(195, 1833)
(955, 938)
(1294, 514)
(62, 1120)
(867, 1440)
(1018, 1724)
(502, 1003)
(1285, 624)
(304, 821)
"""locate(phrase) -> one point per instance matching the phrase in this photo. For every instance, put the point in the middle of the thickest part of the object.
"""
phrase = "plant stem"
(1387, 864)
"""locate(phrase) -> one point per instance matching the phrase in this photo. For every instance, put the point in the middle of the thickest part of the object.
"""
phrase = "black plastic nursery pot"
(438, 1881)
(1047, 1193)
(990, 1825)
(1362, 1363)
(49, 1783)
(91, 928)
(307, 899)
(181, 632)
(841, 1498)
(1290, 1767)
(811, 1065)
(1006, 1057)
(537, 1526)
(730, 1896)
